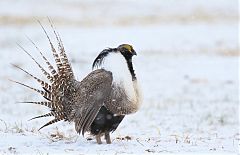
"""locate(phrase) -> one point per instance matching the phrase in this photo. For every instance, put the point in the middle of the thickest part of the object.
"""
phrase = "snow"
(187, 66)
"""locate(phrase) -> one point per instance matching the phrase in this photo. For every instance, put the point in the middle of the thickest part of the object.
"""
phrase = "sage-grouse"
(99, 102)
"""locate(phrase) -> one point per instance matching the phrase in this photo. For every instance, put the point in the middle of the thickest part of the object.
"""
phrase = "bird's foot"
(98, 138)
(107, 137)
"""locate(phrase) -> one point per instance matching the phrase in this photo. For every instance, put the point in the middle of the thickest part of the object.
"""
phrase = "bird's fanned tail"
(60, 79)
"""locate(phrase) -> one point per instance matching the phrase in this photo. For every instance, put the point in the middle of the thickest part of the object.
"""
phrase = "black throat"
(130, 67)
(128, 58)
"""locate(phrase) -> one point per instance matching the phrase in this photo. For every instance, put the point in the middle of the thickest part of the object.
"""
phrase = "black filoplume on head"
(126, 50)
(99, 59)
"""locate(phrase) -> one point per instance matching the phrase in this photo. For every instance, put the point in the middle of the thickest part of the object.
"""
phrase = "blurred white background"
(187, 65)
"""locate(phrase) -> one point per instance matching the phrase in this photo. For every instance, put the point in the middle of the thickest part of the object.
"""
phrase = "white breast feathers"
(116, 63)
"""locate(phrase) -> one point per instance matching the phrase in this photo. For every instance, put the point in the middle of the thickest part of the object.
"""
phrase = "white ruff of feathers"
(116, 63)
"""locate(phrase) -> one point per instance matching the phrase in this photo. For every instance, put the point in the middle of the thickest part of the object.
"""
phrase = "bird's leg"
(98, 138)
(107, 137)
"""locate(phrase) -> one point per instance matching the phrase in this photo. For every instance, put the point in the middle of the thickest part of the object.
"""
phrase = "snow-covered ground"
(187, 65)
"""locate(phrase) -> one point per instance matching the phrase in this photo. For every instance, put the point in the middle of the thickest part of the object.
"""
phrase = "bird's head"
(126, 50)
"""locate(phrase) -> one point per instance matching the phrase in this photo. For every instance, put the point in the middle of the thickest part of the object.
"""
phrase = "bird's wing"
(91, 93)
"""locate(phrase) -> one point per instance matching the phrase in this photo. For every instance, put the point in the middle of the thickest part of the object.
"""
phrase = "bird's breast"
(117, 65)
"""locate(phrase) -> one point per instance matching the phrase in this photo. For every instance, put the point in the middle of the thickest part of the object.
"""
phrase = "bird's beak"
(134, 52)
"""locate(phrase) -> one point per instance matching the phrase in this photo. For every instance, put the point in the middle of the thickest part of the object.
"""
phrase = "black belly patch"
(105, 121)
